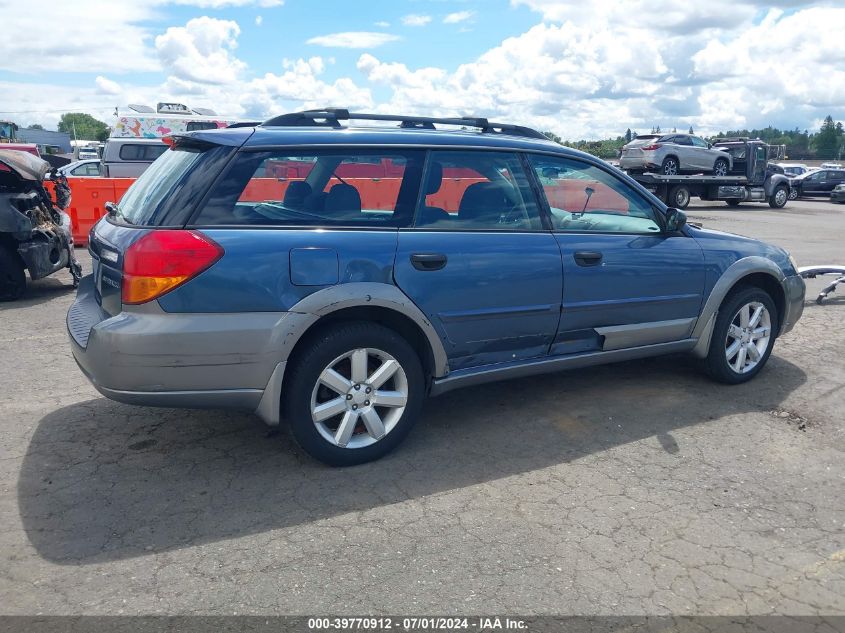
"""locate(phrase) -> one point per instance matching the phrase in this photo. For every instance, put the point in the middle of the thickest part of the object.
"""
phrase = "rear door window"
(477, 190)
(355, 187)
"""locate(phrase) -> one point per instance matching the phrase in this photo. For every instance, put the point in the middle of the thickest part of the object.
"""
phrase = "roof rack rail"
(731, 139)
(331, 117)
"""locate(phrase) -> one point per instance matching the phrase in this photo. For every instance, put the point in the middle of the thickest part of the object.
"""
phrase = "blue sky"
(582, 69)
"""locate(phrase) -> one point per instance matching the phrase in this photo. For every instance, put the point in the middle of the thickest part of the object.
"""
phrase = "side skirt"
(504, 371)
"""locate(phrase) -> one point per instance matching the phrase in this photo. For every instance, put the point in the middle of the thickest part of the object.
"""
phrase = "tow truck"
(753, 178)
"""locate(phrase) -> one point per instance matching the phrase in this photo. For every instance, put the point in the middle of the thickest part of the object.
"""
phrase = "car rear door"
(479, 262)
(626, 283)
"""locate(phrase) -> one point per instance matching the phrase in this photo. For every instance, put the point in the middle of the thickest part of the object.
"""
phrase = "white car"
(90, 168)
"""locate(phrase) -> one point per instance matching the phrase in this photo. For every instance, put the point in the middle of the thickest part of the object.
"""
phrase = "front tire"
(743, 336)
(354, 393)
(679, 196)
(12, 275)
(720, 167)
(793, 193)
(779, 197)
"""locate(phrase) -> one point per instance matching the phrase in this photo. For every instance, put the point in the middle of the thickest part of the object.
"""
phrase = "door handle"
(428, 261)
(588, 258)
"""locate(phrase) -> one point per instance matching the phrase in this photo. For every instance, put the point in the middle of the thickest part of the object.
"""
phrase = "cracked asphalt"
(638, 488)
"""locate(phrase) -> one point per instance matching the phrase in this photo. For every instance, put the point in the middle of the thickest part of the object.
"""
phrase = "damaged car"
(35, 231)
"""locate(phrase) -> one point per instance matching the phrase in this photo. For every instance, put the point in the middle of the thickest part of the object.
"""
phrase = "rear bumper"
(641, 161)
(794, 291)
(149, 357)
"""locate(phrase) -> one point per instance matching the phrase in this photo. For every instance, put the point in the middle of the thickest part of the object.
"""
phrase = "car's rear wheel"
(779, 197)
(354, 393)
(670, 166)
(743, 336)
(720, 167)
(12, 275)
(679, 197)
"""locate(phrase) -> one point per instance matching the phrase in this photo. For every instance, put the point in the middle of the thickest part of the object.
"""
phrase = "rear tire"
(670, 166)
(725, 364)
(337, 423)
(779, 197)
(12, 275)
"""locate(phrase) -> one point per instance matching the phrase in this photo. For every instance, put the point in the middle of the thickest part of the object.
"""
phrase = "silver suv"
(674, 154)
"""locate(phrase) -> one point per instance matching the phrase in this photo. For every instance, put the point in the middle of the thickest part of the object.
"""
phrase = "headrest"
(296, 193)
(343, 199)
(482, 199)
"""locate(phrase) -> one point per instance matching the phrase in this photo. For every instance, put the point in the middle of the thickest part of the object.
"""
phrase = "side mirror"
(675, 219)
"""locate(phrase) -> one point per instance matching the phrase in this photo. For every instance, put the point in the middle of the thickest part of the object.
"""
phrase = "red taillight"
(652, 147)
(164, 259)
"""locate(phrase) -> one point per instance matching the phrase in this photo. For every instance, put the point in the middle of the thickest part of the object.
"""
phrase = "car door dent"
(639, 334)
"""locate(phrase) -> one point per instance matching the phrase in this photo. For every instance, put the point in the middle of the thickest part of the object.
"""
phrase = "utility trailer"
(752, 178)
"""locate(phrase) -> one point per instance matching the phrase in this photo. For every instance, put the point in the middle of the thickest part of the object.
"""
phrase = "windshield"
(144, 199)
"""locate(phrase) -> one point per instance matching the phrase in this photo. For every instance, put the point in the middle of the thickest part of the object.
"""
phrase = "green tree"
(828, 140)
(553, 137)
(36, 126)
(628, 135)
(691, 131)
(83, 127)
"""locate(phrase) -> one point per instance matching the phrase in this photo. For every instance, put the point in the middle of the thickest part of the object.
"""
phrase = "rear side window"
(476, 191)
(355, 187)
(141, 152)
(168, 182)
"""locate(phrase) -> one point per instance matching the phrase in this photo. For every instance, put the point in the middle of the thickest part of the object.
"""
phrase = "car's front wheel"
(720, 167)
(743, 336)
(793, 193)
(779, 197)
(354, 393)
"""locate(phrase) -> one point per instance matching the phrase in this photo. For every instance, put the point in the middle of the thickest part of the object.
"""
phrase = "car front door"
(704, 156)
(626, 282)
(479, 261)
(815, 184)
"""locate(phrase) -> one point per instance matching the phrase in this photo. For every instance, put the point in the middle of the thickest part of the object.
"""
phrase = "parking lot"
(637, 488)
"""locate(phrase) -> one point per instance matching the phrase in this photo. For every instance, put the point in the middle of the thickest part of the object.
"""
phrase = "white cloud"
(107, 86)
(353, 39)
(458, 16)
(584, 71)
(382, 24)
(416, 20)
(258, 20)
(53, 37)
(201, 51)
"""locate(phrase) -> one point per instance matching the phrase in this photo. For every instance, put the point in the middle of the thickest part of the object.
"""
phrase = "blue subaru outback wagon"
(334, 276)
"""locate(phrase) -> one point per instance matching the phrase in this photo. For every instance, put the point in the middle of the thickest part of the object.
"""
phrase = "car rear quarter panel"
(270, 270)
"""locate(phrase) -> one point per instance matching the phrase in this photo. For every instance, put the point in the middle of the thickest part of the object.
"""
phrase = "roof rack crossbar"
(331, 117)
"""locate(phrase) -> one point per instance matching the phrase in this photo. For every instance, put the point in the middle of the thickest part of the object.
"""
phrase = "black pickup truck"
(752, 179)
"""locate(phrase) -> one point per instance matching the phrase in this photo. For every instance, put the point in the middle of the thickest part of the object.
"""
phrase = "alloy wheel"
(359, 398)
(749, 335)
